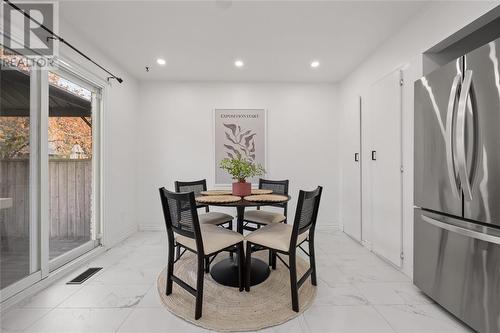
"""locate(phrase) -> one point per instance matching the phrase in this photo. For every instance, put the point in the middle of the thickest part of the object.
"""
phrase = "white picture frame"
(222, 117)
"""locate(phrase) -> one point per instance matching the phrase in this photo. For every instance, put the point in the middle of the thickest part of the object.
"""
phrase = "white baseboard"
(329, 227)
(132, 230)
(151, 227)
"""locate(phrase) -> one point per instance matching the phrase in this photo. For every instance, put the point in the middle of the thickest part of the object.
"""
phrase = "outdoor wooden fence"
(69, 197)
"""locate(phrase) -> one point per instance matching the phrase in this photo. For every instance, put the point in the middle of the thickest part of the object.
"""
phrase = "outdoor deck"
(69, 212)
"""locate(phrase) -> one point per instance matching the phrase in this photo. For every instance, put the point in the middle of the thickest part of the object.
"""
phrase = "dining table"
(225, 271)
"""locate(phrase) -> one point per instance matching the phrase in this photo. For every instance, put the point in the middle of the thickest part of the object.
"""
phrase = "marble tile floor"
(357, 292)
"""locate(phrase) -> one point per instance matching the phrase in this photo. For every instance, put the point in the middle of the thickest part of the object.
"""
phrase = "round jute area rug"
(226, 309)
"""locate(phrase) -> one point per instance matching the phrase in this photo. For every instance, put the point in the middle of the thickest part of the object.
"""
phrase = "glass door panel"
(17, 258)
(49, 200)
(70, 179)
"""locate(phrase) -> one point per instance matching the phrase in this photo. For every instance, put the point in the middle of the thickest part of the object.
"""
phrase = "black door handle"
(356, 157)
(374, 155)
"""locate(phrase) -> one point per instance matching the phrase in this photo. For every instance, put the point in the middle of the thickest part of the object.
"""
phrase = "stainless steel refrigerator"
(457, 187)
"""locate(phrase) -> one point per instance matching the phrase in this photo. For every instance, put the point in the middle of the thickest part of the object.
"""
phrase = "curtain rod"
(62, 40)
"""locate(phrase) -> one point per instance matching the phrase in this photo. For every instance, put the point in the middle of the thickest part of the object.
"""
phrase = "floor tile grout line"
(39, 319)
(386, 320)
(125, 319)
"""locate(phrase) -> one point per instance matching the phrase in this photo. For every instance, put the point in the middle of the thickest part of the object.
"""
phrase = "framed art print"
(239, 133)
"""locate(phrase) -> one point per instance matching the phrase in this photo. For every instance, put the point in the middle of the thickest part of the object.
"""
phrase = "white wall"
(175, 138)
(433, 24)
(119, 121)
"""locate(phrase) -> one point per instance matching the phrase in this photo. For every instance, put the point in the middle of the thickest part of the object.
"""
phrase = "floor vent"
(85, 275)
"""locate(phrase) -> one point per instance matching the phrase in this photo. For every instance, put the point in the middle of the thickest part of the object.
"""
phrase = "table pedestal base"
(225, 272)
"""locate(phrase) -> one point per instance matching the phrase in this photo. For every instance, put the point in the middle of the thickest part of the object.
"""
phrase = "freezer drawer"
(458, 265)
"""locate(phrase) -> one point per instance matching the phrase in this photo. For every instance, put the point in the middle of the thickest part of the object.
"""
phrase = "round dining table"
(225, 271)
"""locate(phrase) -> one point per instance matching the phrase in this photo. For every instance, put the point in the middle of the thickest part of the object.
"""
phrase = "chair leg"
(312, 262)
(230, 227)
(293, 281)
(272, 259)
(178, 251)
(207, 264)
(241, 262)
(170, 268)
(199, 288)
(248, 267)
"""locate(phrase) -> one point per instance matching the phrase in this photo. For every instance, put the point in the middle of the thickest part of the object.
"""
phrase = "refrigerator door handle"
(462, 231)
(460, 135)
(450, 115)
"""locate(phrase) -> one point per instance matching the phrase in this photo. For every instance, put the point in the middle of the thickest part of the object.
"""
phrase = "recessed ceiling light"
(315, 64)
(161, 61)
(239, 63)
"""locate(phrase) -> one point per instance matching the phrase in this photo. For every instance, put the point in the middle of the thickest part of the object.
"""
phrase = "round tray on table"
(266, 198)
(214, 199)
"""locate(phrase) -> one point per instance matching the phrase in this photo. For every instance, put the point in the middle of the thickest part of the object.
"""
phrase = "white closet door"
(385, 108)
(351, 170)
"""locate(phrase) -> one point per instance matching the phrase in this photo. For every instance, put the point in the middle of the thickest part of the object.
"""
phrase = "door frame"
(40, 267)
(367, 221)
(66, 71)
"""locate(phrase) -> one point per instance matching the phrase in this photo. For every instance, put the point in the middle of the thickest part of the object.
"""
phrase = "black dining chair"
(215, 218)
(204, 240)
(259, 217)
(285, 239)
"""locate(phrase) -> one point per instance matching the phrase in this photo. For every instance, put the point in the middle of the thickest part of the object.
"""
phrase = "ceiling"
(201, 40)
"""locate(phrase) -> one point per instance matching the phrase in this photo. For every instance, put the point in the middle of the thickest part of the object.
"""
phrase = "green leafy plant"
(241, 169)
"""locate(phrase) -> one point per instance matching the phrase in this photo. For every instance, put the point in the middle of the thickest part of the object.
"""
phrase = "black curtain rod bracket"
(114, 77)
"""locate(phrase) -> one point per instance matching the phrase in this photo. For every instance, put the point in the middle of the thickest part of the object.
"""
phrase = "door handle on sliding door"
(356, 157)
(450, 115)
(374, 155)
(463, 173)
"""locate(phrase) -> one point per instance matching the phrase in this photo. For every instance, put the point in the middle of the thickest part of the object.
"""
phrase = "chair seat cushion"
(214, 239)
(214, 218)
(275, 236)
(264, 217)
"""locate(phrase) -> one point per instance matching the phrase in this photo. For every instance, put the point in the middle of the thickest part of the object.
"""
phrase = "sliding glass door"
(72, 225)
(49, 170)
(18, 228)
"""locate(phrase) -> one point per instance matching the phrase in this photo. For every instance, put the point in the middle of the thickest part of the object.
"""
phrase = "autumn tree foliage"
(14, 137)
(66, 132)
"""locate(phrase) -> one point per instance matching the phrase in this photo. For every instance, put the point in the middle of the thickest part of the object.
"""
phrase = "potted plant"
(241, 169)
